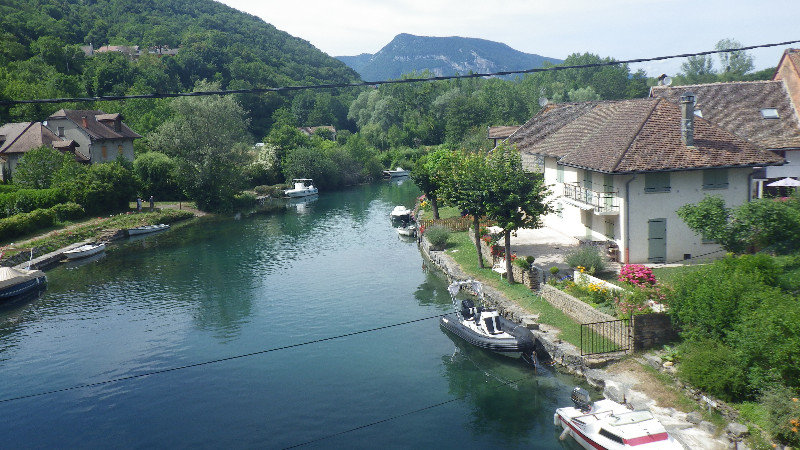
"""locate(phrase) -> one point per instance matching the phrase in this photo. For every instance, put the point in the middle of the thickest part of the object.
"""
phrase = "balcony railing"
(601, 202)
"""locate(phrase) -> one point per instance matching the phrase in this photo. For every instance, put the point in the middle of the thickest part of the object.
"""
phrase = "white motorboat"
(15, 282)
(398, 172)
(302, 188)
(606, 424)
(84, 251)
(403, 220)
(144, 229)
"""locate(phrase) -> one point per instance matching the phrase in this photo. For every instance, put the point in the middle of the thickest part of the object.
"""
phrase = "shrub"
(636, 274)
(437, 236)
(27, 200)
(713, 368)
(587, 256)
(525, 263)
(158, 174)
(26, 223)
(103, 188)
(554, 270)
(68, 211)
(783, 411)
(244, 201)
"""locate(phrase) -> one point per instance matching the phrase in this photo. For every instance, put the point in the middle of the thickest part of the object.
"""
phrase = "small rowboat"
(147, 229)
(84, 251)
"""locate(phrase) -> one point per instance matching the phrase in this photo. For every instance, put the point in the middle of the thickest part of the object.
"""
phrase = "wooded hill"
(40, 55)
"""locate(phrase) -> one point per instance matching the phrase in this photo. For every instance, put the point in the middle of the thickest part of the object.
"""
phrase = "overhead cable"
(105, 98)
(214, 361)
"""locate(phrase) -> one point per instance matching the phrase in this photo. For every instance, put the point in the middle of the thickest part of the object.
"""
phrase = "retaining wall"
(652, 330)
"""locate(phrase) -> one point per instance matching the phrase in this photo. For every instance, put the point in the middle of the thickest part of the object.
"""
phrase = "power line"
(389, 419)
(205, 363)
(106, 98)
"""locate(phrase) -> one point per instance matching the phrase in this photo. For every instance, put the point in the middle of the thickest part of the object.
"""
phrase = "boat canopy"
(10, 276)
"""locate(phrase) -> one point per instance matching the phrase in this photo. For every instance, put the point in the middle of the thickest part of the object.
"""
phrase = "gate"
(606, 337)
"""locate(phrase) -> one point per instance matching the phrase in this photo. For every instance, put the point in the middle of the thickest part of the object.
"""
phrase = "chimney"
(84, 122)
(687, 118)
(118, 123)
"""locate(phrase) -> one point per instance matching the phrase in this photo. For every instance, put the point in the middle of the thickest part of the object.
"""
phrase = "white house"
(763, 112)
(102, 137)
(16, 139)
(619, 170)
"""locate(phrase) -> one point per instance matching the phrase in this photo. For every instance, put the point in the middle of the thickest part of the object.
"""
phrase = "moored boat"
(15, 282)
(302, 188)
(84, 251)
(606, 424)
(398, 172)
(403, 220)
(485, 327)
(144, 229)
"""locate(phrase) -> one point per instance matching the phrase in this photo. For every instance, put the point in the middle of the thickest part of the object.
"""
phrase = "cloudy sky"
(623, 29)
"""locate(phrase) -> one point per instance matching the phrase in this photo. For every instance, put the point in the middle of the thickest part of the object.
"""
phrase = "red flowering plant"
(637, 275)
(644, 295)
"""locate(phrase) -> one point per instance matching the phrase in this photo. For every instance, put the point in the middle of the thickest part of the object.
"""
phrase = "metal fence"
(606, 337)
(454, 224)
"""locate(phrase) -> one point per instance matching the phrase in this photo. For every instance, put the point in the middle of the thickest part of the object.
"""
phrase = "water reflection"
(507, 397)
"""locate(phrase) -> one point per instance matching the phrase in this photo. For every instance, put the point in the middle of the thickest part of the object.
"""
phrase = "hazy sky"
(623, 29)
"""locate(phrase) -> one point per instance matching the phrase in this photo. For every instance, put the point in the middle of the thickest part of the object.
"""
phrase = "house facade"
(619, 170)
(16, 139)
(102, 137)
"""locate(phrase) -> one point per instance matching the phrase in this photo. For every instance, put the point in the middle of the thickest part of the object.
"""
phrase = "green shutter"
(715, 179)
(657, 182)
(608, 190)
(559, 173)
(657, 240)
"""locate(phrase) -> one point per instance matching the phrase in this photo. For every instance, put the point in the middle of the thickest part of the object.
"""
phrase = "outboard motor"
(467, 309)
(580, 397)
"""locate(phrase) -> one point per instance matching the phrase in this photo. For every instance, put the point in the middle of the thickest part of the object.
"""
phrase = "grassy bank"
(94, 229)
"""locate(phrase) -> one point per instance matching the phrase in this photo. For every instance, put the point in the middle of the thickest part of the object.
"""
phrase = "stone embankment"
(687, 428)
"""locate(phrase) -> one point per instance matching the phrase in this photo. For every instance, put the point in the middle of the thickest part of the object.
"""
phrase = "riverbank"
(627, 381)
(91, 230)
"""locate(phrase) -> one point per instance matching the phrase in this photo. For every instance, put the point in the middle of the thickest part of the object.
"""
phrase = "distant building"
(308, 131)
(16, 139)
(102, 137)
(132, 51)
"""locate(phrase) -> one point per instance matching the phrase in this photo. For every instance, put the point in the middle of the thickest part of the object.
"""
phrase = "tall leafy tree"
(209, 137)
(468, 189)
(38, 166)
(518, 198)
(430, 173)
(733, 65)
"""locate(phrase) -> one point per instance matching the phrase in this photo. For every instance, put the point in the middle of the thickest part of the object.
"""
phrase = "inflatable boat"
(485, 327)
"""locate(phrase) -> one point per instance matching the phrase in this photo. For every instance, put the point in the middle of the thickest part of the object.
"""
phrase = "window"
(538, 163)
(60, 131)
(769, 113)
(104, 151)
(656, 182)
(609, 231)
(119, 149)
(715, 179)
(559, 173)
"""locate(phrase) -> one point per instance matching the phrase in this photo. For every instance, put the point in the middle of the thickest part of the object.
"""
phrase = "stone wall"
(652, 330)
(574, 308)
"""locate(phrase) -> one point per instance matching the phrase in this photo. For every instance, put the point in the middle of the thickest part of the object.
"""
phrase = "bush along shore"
(683, 417)
(97, 229)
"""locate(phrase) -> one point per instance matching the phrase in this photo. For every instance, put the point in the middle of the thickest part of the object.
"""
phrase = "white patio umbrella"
(785, 182)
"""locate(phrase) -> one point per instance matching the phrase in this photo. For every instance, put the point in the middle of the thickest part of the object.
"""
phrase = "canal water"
(247, 291)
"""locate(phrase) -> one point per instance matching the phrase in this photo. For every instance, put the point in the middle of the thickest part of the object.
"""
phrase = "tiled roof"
(501, 132)
(97, 130)
(737, 106)
(23, 136)
(636, 135)
(310, 130)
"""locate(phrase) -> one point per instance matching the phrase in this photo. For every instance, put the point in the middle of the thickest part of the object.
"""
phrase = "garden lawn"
(462, 250)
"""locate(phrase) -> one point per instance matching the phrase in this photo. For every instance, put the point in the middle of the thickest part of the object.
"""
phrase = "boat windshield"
(630, 417)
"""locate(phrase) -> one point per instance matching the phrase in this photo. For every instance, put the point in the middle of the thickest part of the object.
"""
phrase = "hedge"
(27, 200)
(26, 223)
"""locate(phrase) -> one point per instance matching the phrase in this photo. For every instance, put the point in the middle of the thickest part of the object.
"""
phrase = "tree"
(467, 189)
(207, 135)
(430, 173)
(698, 69)
(733, 65)
(37, 167)
(517, 198)
(158, 174)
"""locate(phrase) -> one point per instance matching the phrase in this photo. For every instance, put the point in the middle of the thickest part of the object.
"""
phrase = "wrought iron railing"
(606, 337)
(601, 201)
